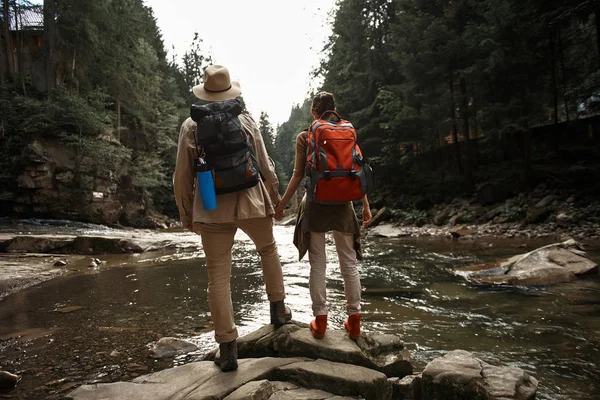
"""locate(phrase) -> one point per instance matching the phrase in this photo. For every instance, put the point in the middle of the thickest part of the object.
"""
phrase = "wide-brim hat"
(217, 85)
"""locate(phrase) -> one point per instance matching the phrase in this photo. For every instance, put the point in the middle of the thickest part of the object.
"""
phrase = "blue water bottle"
(206, 185)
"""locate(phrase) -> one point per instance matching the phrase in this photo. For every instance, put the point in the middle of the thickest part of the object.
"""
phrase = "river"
(552, 332)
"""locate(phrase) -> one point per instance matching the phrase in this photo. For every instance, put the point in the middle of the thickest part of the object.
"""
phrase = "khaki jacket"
(255, 202)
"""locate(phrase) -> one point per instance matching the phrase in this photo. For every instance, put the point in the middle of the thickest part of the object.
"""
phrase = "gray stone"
(337, 378)
(170, 346)
(545, 202)
(441, 217)
(295, 340)
(290, 391)
(563, 219)
(376, 344)
(537, 215)
(256, 390)
(60, 263)
(400, 365)
(455, 218)
(460, 375)
(490, 215)
(335, 346)
(461, 230)
(65, 244)
(386, 231)
(35, 244)
(200, 380)
(555, 263)
(8, 380)
(407, 388)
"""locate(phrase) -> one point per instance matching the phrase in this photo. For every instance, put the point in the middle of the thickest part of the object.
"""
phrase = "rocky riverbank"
(541, 213)
(288, 363)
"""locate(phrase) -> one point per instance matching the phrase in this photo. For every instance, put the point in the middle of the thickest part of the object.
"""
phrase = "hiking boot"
(318, 326)
(352, 325)
(228, 356)
(280, 313)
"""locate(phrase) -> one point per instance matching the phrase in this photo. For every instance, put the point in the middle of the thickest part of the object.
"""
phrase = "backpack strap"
(330, 112)
(198, 154)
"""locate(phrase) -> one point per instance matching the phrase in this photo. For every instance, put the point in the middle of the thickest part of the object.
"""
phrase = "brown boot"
(352, 325)
(318, 326)
(280, 313)
(228, 356)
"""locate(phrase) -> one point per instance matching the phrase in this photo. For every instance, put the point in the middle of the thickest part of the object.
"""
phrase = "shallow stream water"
(552, 332)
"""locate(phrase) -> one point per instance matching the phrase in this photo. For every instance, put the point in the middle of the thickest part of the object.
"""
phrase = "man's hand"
(366, 216)
(279, 211)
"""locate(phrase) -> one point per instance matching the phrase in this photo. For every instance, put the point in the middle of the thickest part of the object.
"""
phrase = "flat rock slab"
(384, 353)
(199, 380)
(67, 244)
(296, 379)
(555, 263)
(460, 375)
(338, 378)
(268, 390)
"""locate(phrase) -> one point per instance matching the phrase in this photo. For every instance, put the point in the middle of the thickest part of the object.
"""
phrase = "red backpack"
(335, 169)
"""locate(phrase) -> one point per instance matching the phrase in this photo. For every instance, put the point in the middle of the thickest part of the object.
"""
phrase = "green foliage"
(118, 101)
(285, 142)
(409, 74)
(267, 133)
(412, 216)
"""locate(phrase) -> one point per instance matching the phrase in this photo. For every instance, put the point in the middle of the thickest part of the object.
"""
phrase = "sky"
(269, 46)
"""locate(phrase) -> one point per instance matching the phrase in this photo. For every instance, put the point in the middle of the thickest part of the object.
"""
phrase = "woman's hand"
(366, 216)
(279, 211)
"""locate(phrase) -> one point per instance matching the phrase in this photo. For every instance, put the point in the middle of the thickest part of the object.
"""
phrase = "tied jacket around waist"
(255, 202)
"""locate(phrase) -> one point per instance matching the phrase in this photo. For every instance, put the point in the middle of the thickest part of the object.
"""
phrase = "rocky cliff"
(56, 182)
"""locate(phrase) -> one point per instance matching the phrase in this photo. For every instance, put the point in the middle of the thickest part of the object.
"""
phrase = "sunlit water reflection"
(551, 332)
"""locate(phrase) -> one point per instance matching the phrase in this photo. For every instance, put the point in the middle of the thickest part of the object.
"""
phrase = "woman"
(318, 219)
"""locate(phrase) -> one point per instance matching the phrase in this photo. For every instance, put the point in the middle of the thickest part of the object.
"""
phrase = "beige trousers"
(217, 241)
(344, 244)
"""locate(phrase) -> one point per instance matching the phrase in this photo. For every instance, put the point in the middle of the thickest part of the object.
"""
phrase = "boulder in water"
(8, 380)
(460, 375)
(555, 263)
(169, 347)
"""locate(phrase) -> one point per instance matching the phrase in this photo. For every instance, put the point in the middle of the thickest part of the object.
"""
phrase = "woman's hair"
(323, 101)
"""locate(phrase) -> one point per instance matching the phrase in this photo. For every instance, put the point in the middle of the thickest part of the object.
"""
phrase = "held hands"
(279, 210)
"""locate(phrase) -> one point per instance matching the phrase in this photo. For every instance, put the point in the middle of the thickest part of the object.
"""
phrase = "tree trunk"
(465, 117)
(454, 127)
(118, 117)
(527, 160)
(554, 88)
(19, 45)
(50, 42)
(8, 60)
(562, 67)
(3, 62)
(597, 13)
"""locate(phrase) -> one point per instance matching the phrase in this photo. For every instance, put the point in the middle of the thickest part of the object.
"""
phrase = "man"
(250, 210)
